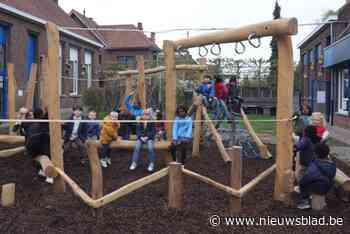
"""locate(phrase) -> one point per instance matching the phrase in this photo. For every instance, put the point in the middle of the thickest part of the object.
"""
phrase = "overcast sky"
(165, 14)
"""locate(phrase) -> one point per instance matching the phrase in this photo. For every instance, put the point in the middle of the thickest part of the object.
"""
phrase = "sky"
(157, 15)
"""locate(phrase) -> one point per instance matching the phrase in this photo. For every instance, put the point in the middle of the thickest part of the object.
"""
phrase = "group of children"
(78, 131)
(315, 171)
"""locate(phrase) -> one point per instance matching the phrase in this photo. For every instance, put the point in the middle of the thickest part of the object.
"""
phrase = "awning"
(337, 52)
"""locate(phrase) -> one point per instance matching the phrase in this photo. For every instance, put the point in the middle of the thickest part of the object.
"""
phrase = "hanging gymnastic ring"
(243, 48)
(212, 51)
(182, 51)
(250, 40)
(200, 51)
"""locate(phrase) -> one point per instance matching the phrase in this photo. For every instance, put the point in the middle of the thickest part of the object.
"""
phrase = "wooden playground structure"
(283, 29)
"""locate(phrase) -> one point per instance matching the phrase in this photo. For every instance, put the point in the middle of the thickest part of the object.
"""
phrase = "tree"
(328, 14)
(260, 67)
(274, 52)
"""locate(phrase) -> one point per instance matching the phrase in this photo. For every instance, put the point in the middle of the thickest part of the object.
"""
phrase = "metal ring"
(200, 51)
(243, 48)
(212, 51)
(250, 40)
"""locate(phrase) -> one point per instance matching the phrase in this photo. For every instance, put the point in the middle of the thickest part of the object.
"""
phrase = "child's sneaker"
(41, 173)
(103, 163)
(151, 167)
(49, 180)
(133, 166)
(304, 204)
(108, 161)
(297, 189)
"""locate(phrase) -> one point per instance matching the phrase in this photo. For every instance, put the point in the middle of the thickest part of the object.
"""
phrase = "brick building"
(120, 47)
(325, 59)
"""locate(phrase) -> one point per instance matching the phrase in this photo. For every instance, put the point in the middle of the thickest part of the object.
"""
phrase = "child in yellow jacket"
(109, 133)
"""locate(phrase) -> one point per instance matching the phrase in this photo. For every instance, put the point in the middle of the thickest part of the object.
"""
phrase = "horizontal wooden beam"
(286, 26)
(12, 152)
(213, 183)
(343, 180)
(127, 145)
(248, 187)
(12, 139)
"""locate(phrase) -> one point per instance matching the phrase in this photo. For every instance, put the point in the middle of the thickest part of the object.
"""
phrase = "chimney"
(153, 37)
(139, 26)
(55, 1)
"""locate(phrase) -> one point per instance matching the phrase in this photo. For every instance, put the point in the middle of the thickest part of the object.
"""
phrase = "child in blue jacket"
(319, 176)
(135, 110)
(182, 134)
(93, 129)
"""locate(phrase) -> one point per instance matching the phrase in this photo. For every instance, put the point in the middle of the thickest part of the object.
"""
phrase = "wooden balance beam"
(264, 152)
(12, 139)
(128, 145)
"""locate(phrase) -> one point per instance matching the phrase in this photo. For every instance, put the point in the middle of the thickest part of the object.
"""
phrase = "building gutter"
(44, 22)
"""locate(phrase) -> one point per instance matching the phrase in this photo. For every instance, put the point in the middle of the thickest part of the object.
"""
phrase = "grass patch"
(268, 127)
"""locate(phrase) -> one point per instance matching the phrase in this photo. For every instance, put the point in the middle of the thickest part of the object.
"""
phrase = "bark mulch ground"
(39, 210)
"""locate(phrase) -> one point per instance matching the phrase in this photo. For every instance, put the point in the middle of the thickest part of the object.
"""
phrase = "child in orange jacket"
(109, 133)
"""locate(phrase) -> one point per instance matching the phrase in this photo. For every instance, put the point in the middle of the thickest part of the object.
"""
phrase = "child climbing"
(305, 147)
(38, 140)
(135, 110)
(318, 178)
(221, 94)
(93, 128)
(146, 133)
(233, 102)
(182, 134)
(76, 133)
(109, 133)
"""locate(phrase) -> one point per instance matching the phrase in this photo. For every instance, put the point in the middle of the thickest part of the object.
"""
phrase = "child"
(93, 128)
(221, 94)
(318, 178)
(182, 134)
(109, 133)
(160, 128)
(125, 128)
(305, 146)
(76, 133)
(38, 139)
(135, 110)
(206, 88)
(146, 133)
(319, 122)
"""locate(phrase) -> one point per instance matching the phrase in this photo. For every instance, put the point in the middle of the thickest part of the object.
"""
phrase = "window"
(88, 67)
(316, 54)
(344, 86)
(320, 51)
(328, 41)
(129, 61)
(73, 62)
(305, 59)
(311, 56)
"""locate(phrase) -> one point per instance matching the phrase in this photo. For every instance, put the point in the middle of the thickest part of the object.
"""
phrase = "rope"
(131, 121)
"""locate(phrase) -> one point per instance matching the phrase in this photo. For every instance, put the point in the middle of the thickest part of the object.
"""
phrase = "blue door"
(32, 47)
(3, 71)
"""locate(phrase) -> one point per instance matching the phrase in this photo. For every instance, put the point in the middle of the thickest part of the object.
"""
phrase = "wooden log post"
(176, 186)
(170, 84)
(284, 158)
(197, 130)
(8, 195)
(235, 178)
(11, 95)
(54, 101)
(44, 103)
(141, 81)
(30, 90)
(96, 171)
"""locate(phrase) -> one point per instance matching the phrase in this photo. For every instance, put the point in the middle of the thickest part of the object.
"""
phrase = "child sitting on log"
(146, 133)
(318, 178)
(125, 127)
(182, 134)
(305, 147)
(93, 128)
(76, 133)
(160, 127)
(38, 139)
(109, 133)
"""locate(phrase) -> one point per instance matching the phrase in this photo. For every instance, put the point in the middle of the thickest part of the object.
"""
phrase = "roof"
(48, 10)
(313, 34)
(113, 39)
